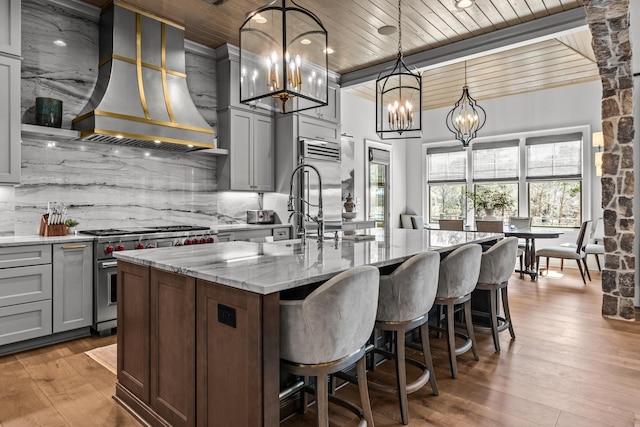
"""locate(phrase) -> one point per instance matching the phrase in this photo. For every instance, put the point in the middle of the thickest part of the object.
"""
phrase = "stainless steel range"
(124, 239)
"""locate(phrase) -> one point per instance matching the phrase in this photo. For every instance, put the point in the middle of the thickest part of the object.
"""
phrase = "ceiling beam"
(495, 41)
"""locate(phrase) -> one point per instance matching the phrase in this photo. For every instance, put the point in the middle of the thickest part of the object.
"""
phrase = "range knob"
(187, 242)
(179, 243)
(151, 246)
(196, 241)
(140, 245)
(108, 249)
(210, 239)
(120, 247)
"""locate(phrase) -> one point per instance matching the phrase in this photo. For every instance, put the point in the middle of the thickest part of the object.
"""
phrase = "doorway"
(378, 184)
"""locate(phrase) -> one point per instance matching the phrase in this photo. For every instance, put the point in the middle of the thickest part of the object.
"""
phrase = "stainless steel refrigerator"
(324, 156)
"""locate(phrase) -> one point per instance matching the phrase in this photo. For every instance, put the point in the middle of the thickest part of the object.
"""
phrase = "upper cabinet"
(331, 111)
(10, 91)
(10, 27)
(249, 138)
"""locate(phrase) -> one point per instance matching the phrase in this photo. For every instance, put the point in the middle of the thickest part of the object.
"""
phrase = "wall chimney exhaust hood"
(141, 97)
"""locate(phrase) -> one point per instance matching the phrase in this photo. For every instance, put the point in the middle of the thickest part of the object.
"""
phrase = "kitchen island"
(198, 331)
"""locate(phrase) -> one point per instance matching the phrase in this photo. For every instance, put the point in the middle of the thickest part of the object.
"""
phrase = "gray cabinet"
(330, 112)
(312, 128)
(10, 50)
(10, 27)
(249, 138)
(25, 293)
(72, 286)
(9, 119)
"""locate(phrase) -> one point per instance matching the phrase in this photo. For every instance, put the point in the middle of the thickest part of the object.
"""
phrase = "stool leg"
(507, 313)
(470, 332)
(401, 374)
(494, 319)
(364, 391)
(428, 362)
(452, 340)
(322, 401)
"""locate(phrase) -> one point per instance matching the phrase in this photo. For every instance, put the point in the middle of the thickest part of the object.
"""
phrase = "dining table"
(530, 235)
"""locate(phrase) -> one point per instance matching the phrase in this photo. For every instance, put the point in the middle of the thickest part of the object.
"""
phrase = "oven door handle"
(108, 264)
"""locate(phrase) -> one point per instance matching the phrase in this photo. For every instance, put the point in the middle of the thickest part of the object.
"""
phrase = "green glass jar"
(48, 112)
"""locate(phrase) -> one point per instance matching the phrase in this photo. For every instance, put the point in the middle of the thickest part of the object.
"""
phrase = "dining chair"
(489, 226)
(594, 247)
(451, 224)
(568, 252)
(520, 222)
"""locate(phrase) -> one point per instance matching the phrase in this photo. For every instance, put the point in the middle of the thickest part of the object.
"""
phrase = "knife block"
(51, 230)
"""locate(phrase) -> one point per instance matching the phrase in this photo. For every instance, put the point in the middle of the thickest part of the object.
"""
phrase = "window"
(447, 175)
(554, 177)
(541, 175)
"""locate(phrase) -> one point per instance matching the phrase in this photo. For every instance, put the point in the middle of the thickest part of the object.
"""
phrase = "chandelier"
(399, 98)
(283, 58)
(467, 117)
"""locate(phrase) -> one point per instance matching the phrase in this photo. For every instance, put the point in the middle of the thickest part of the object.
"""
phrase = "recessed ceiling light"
(259, 19)
(147, 154)
(157, 141)
(119, 136)
(387, 30)
(329, 51)
(305, 41)
(60, 43)
(189, 145)
(463, 4)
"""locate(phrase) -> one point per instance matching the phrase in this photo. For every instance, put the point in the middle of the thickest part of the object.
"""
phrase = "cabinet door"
(331, 111)
(10, 27)
(9, 119)
(241, 133)
(133, 329)
(309, 127)
(262, 158)
(25, 321)
(173, 372)
(72, 286)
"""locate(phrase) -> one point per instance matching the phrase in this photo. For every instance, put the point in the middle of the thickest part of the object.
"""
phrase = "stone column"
(609, 24)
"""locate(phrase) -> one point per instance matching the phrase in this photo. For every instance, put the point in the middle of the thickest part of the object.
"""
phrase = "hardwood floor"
(567, 367)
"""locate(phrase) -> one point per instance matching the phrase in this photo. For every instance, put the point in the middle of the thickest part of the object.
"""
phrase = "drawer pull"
(74, 247)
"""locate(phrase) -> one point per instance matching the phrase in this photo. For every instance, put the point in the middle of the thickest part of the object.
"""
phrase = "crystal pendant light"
(283, 58)
(466, 118)
(399, 98)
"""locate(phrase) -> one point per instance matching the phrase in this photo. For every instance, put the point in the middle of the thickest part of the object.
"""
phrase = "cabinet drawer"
(25, 321)
(317, 129)
(281, 233)
(25, 284)
(251, 234)
(20, 256)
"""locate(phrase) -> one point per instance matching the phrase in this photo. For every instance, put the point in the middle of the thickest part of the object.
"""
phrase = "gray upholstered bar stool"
(457, 279)
(327, 331)
(496, 267)
(406, 296)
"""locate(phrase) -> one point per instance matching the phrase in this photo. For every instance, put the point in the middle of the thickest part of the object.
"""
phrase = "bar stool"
(406, 296)
(457, 279)
(327, 331)
(496, 267)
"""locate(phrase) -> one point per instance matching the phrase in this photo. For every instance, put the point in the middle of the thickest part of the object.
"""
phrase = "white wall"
(358, 120)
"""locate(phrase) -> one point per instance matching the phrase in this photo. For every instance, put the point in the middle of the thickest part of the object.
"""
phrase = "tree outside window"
(555, 203)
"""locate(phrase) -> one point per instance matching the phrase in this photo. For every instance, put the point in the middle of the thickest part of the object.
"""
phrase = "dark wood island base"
(193, 352)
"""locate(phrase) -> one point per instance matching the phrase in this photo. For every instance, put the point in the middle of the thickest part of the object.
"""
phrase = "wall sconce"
(597, 139)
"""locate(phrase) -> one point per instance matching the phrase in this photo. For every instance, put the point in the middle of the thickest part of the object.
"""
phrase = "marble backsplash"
(106, 185)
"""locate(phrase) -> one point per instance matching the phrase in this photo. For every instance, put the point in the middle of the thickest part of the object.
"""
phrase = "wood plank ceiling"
(353, 25)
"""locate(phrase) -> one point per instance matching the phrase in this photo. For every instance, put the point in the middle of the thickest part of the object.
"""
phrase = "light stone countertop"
(266, 268)
(35, 239)
(7, 241)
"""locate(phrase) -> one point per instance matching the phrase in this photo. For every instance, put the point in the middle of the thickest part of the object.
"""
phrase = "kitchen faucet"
(319, 219)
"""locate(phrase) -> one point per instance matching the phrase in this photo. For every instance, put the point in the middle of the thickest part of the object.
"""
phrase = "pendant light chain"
(399, 30)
